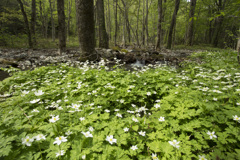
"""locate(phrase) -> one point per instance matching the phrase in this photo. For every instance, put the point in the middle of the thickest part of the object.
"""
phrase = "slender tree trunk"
(138, 43)
(69, 17)
(143, 24)
(146, 22)
(42, 19)
(189, 40)
(173, 23)
(116, 23)
(159, 33)
(86, 32)
(103, 37)
(33, 21)
(26, 24)
(61, 26)
(52, 19)
(109, 22)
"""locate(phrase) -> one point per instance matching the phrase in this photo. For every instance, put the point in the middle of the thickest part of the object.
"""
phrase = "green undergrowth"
(156, 112)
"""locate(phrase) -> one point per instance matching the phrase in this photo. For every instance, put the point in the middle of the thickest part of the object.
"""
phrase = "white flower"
(87, 134)
(116, 110)
(75, 106)
(135, 119)
(111, 140)
(27, 141)
(54, 119)
(60, 139)
(119, 115)
(82, 118)
(161, 119)
(134, 147)
(35, 101)
(238, 104)
(68, 133)
(121, 101)
(60, 153)
(39, 93)
(202, 157)
(157, 106)
(126, 129)
(91, 128)
(84, 157)
(236, 118)
(25, 92)
(211, 134)
(174, 143)
(154, 156)
(149, 93)
(215, 99)
(35, 110)
(142, 133)
(40, 136)
(106, 110)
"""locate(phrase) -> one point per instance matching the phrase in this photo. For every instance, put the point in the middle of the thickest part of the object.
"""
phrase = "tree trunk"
(173, 23)
(146, 22)
(86, 32)
(109, 22)
(69, 17)
(42, 19)
(189, 40)
(33, 21)
(52, 19)
(159, 29)
(61, 26)
(138, 43)
(143, 24)
(116, 23)
(218, 22)
(103, 37)
(26, 24)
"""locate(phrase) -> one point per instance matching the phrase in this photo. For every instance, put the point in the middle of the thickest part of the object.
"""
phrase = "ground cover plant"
(91, 112)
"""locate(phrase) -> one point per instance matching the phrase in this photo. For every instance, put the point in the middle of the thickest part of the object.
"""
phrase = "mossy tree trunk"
(61, 26)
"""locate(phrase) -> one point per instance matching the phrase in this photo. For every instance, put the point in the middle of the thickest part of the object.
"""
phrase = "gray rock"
(27, 63)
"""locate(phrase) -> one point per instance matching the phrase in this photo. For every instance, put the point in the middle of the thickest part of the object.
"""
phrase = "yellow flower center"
(27, 140)
(54, 119)
(60, 138)
(110, 139)
(154, 157)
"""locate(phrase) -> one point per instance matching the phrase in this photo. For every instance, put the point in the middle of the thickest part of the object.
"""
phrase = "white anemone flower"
(54, 119)
(84, 157)
(211, 134)
(161, 119)
(236, 118)
(27, 141)
(119, 115)
(111, 140)
(142, 133)
(87, 134)
(39, 93)
(91, 128)
(35, 101)
(35, 110)
(157, 106)
(59, 140)
(154, 156)
(40, 136)
(174, 143)
(202, 157)
(135, 119)
(134, 147)
(82, 118)
(60, 153)
(126, 129)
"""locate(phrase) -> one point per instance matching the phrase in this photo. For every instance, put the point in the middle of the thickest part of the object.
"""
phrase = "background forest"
(137, 23)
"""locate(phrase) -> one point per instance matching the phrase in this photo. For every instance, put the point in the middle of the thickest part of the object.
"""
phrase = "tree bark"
(103, 37)
(109, 22)
(173, 23)
(143, 24)
(159, 29)
(146, 22)
(26, 24)
(189, 40)
(52, 19)
(61, 26)
(138, 43)
(33, 21)
(86, 31)
(116, 23)
(42, 19)
(69, 17)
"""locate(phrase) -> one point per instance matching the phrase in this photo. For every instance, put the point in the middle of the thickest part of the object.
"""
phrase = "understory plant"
(93, 112)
